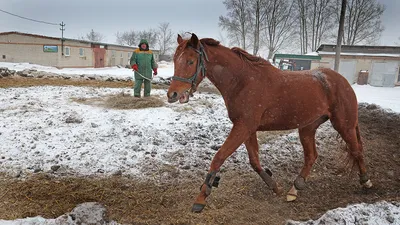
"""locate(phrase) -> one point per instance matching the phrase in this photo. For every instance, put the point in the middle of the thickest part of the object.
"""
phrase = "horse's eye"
(190, 62)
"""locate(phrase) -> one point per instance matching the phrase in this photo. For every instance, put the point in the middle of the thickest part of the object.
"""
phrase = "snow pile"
(381, 213)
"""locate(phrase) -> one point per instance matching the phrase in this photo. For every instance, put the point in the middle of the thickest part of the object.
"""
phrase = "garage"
(384, 74)
(348, 70)
(374, 65)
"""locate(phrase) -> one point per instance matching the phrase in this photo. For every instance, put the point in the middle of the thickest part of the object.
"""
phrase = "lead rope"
(144, 76)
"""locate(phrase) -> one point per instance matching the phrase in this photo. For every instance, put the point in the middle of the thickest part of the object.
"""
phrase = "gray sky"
(109, 17)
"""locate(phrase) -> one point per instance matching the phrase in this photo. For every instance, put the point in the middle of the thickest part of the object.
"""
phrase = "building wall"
(315, 64)
(118, 55)
(75, 59)
(18, 48)
(363, 63)
(15, 47)
(27, 48)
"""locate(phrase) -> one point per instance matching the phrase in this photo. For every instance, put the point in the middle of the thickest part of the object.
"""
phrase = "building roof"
(293, 56)
(360, 49)
(67, 39)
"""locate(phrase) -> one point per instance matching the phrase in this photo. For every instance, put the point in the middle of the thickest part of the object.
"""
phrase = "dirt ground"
(241, 198)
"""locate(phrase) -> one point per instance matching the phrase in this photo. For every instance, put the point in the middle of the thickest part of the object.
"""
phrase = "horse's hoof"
(367, 184)
(291, 197)
(197, 208)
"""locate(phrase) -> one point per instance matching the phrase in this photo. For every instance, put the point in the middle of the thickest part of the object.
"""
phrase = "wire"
(38, 21)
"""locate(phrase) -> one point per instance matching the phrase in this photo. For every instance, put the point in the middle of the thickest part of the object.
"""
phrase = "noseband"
(201, 67)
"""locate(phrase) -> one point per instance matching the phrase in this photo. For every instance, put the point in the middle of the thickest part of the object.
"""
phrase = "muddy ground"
(241, 198)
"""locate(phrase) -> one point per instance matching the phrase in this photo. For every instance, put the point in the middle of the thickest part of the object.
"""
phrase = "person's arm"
(133, 62)
(154, 64)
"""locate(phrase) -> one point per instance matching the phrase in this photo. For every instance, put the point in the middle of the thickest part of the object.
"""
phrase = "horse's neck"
(229, 73)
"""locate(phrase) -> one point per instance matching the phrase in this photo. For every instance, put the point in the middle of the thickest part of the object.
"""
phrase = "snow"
(386, 97)
(377, 213)
(312, 53)
(43, 126)
(165, 70)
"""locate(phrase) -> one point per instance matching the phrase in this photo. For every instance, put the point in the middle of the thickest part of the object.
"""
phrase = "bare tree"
(222, 39)
(340, 34)
(279, 26)
(316, 20)
(363, 23)
(237, 21)
(150, 35)
(127, 38)
(321, 21)
(93, 36)
(258, 14)
(303, 6)
(165, 38)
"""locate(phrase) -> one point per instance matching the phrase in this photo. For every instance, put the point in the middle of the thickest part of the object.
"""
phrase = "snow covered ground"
(44, 129)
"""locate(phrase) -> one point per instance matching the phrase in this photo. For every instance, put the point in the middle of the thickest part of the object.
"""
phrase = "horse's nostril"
(174, 95)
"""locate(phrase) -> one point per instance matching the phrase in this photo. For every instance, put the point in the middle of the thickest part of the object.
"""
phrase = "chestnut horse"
(260, 97)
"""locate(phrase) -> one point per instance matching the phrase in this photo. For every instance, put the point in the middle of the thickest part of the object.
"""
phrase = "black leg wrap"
(364, 178)
(211, 180)
(216, 181)
(267, 179)
(299, 183)
(268, 171)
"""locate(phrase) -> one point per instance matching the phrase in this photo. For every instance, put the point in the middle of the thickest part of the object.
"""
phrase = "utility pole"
(62, 24)
(340, 35)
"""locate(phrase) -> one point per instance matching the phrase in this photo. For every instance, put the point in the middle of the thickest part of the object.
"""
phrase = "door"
(348, 70)
(99, 54)
(384, 74)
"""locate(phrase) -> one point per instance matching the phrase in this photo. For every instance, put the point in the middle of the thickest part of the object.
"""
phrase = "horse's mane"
(245, 56)
(255, 60)
(209, 41)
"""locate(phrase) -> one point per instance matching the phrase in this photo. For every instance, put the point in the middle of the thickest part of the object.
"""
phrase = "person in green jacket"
(142, 62)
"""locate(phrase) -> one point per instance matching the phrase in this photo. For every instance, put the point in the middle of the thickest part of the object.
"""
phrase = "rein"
(201, 67)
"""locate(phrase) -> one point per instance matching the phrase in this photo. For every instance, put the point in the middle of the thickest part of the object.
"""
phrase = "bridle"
(201, 67)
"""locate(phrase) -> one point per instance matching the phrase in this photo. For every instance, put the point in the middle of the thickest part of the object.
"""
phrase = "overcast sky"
(109, 17)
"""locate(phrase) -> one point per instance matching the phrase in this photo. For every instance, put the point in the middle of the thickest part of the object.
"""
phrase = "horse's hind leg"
(353, 141)
(252, 149)
(307, 139)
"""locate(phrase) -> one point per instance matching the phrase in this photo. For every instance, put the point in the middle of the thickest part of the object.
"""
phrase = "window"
(4, 56)
(113, 53)
(67, 51)
(129, 55)
(81, 52)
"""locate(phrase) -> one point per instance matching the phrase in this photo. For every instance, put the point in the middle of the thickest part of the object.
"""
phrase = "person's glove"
(135, 67)
(155, 71)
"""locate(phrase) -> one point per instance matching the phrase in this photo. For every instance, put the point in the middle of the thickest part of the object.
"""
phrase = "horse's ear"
(194, 40)
(179, 39)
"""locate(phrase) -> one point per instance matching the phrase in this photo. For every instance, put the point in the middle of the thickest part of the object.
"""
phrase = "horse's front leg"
(236, 137)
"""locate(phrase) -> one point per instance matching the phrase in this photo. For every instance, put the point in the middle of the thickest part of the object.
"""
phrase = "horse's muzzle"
(173, 98)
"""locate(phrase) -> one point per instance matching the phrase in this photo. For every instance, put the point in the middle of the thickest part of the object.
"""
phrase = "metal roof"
(294, 56)
(68, 39)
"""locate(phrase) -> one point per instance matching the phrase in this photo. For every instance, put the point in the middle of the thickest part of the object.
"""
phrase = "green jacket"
(145, 60)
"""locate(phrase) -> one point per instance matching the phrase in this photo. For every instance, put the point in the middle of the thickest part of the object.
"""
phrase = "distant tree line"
(274, 24)
(161, 38)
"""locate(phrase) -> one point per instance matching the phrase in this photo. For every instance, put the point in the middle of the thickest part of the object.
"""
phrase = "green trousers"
(138, 87)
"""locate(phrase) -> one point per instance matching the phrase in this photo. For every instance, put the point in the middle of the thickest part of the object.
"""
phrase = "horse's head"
(189, 69)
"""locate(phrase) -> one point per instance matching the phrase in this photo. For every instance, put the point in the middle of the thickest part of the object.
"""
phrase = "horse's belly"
(291, 117)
